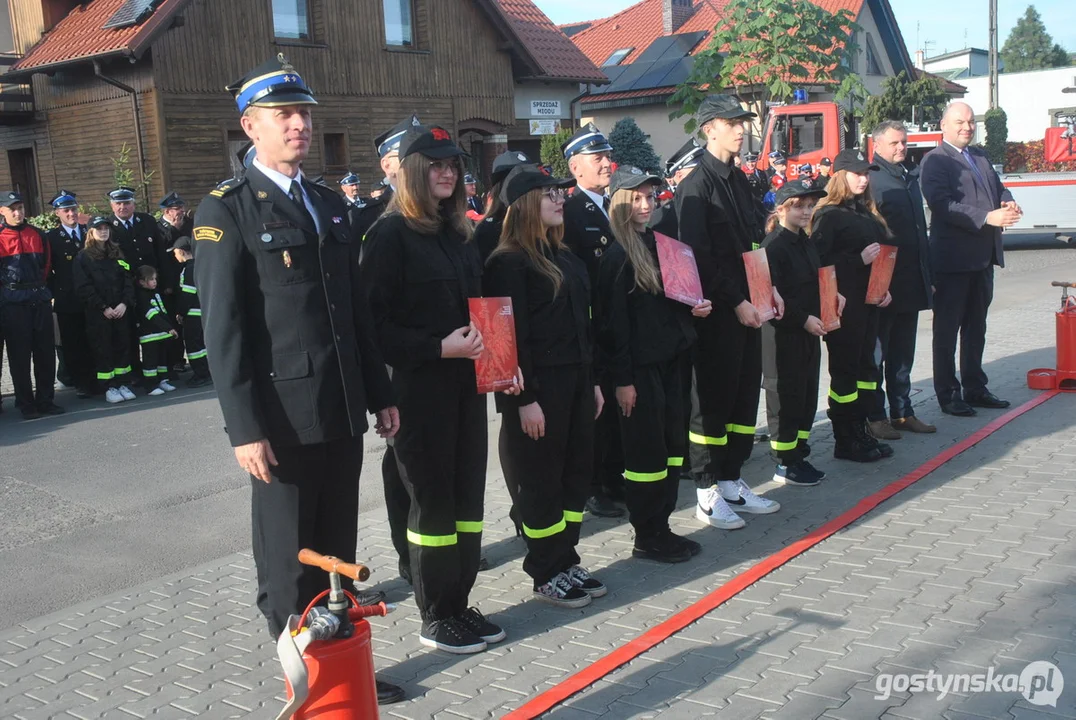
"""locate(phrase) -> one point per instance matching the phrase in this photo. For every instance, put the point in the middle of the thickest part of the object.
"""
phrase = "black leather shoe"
(199, 381)
(987, 400)
(663, 549)
(368, 597)
(602, 506)
(50, 408)
(387, 693)
(959, 408)
(83, 393)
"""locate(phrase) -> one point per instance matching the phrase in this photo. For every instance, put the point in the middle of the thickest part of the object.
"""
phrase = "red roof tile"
(557, 57)
(627, 95)
(80, 35)
(950, 87)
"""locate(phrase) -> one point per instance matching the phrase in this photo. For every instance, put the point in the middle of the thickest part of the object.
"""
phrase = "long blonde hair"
(621, 208)
(99, 249)
(839, 193)
(774, 218)
(420, 209)
(523, 231)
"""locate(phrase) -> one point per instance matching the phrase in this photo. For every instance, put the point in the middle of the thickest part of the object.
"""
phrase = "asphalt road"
(106, 497)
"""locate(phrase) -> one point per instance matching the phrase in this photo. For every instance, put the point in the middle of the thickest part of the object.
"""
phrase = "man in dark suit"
(969, 207)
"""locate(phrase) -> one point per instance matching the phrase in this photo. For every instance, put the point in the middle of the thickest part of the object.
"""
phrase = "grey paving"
(972, 567)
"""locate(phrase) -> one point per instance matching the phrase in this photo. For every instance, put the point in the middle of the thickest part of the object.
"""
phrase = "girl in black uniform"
(848, 231)
(103, 284)
(419, 270)
(547, 432)
(643, 338)
(487, 232)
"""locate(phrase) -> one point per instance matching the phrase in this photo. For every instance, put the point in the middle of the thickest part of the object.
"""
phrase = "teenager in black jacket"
(104, 286)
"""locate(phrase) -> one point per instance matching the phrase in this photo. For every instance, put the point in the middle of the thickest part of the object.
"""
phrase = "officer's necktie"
(605, 204)
(975, 168)
(296, 195)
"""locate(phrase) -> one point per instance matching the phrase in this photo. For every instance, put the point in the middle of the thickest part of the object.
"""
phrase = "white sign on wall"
(545, 127)
(545, 108)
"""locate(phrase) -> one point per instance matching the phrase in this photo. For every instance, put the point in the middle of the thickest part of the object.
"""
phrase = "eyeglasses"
(444, 166)
(554, 194)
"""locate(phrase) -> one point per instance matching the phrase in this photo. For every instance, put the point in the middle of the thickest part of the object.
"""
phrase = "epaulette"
(226, 187)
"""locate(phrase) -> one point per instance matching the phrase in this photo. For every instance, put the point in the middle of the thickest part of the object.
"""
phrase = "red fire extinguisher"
(325, 653)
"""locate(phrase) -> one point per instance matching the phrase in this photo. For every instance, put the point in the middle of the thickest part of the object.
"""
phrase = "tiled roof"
(641, 24)
(950, 87)
(626, 95)
(557, 57)
(81, 36)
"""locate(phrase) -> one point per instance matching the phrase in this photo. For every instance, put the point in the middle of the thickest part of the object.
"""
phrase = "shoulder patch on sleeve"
(208, 233)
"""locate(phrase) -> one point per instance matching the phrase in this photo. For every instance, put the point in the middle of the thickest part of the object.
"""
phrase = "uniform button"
(332, 306)
(327, 276)
(338, 338)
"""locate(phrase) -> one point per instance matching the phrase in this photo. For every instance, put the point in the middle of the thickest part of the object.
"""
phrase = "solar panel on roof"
(655, 75)
(657, 49)
(132, 12)
(682, 45)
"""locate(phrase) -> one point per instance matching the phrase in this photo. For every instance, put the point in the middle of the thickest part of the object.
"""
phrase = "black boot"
(847, 446)
(866, 438)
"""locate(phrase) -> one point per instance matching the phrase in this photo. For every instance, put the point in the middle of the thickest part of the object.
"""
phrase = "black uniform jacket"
(895, 190)
(188, 291)
(717, 219)
(418, 286)
(586, 232)
(168, 272)
(636, 327)
(794, 264)
(487, 234)
(152, 317)
(103, 283)
(840, 232)
(64, 250)
(142, 244)
(290, 339)
(364, 218)
(551, 329)
(664, 221)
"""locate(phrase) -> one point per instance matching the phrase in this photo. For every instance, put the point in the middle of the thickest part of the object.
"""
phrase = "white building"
(1032, 100)
(958, 65)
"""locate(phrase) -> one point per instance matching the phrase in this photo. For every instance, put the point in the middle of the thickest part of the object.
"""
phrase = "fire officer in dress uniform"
(173, 225)
(587, 233)
(388, 150)
(474, 203)
(65, 242)
(778, 169)
(291, 345)
(716, 209)
(677, 169)
(137, 234)
(349, 185)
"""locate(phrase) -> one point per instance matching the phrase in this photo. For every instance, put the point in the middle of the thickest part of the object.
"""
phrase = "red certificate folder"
(881, 274)
(679, 272)
(759, 282)
(496, 368)
(827, 293)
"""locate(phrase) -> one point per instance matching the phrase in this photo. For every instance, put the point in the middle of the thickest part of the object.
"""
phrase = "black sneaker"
(797, 475)
(580, 578)
(451, 636)
(663, 548)
(196, 381)
(602, 506)
(30, 412)
(820, 473)
(50, 408)
(559, 591)
(477, 623)
(692, 547)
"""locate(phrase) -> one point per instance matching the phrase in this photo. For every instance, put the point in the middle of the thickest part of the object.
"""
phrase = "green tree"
(763, 49)
(551, 154)
(1030, 47)
(921, 101)
(997, 135)
(631, 146)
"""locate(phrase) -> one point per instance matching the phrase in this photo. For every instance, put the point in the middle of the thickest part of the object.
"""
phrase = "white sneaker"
(157, 391)
(714, 511)
(748, 502)
(166, 386)
(126, 393)
(112, 395)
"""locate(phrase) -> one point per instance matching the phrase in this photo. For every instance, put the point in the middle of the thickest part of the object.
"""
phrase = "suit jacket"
(960, 239)
(142, 243)
(64, 250)
(895, 190)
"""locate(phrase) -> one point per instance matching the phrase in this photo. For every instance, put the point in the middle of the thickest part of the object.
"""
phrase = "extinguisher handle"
(331, 564)
(1058, 283)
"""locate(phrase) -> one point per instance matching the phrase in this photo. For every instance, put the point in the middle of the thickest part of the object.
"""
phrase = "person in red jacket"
(26, 310)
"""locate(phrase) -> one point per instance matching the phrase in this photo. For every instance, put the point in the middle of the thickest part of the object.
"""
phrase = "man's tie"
(605, 204)
(296, 195)
(975, 168)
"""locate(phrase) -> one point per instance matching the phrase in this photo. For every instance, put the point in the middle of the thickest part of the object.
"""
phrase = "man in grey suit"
(969, 207)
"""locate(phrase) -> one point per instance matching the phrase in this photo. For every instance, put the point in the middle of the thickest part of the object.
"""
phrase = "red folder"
(496, 368)
(759, 282)
(881, 274)
(679, 272)
(827, 293)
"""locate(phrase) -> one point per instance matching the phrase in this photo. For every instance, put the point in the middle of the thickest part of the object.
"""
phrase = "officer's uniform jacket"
(142, 243)
(290, 339)
(64, 250)
(587, 232)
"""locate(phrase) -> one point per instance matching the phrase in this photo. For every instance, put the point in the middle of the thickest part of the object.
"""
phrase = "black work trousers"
(75, 349)
(724, 400)
(397, 504)
(312, 502)
(155, 356)
(961, 303)
(111, 346)
(896, 337)
(441, 455)
(797, 358)
(853, 371)
(654, 445)
(194, 344)
(31, 351)
(175, 349)
(552, 474)
(608, 476)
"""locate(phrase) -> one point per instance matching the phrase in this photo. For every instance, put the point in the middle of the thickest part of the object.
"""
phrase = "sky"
(942, 26)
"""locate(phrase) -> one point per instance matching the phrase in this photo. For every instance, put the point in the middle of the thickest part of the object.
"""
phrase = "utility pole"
(993, 54)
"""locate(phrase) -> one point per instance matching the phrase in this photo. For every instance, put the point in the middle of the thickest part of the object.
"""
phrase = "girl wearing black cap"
(419, 272)
(643, 337)
(487, 232)
(104, 285)
(547, 431)
(848, 231)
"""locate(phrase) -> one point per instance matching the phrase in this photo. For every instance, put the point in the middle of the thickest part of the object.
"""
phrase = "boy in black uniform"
(190, 314)
(677, 169)
(173, 225)
(65, 243)
(155, 332)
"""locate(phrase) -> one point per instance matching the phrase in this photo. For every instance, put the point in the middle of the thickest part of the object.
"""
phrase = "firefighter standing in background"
(173, 224)
(825, 166)
(778, 169)
(349, 185)
(488, 232)
(679, 166)
(65, 243)
(190, 314)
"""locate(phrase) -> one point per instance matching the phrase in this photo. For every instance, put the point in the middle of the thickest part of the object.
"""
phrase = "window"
(335, 152)
(399, 23)
(291, 19)
(874, 66)
(617, 57)
(798, 134)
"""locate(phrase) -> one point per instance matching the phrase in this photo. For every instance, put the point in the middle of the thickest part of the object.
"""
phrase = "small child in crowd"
(155, 331)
